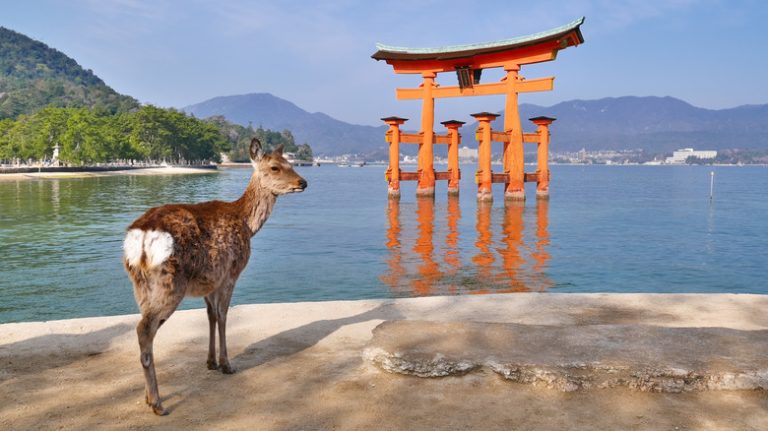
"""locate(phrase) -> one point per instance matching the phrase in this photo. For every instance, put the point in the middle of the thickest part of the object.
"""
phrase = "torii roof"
(386, 52)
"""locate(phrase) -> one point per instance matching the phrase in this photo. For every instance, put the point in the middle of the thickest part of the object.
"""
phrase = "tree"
(304, 152)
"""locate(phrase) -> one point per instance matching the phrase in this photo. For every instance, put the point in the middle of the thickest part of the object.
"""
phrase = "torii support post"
(454, 173)
(484, 175)
(426, 159)
(542, 183)
(393, 172)
(513, 158)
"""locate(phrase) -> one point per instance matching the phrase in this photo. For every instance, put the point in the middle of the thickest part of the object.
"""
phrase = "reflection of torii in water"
(511, 273)
(429, 270)
(512, 227)
(484, 259)
(516, 275)
(395, 264)
(452, 256)
(540, 255)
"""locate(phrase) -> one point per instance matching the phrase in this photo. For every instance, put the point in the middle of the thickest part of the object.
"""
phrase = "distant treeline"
(732, 157)
(88, 136)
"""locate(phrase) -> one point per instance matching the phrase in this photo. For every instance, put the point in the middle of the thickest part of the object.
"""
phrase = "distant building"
(680, 156)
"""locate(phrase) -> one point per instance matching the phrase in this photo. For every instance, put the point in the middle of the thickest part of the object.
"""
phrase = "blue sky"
(316, 54)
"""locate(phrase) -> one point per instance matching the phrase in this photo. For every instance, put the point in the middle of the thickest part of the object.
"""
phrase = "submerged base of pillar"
(453, 191)
(426, 191)
(542, 194)
(515, 196)
(484, 195)
(393, 193)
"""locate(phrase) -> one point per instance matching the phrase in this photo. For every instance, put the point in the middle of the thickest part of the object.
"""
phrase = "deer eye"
(275, 168)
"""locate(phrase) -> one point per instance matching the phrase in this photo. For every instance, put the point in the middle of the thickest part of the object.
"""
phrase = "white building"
(680, 156)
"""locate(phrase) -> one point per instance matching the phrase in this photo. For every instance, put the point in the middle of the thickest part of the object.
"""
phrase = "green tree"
(88, 135)
(304, 152)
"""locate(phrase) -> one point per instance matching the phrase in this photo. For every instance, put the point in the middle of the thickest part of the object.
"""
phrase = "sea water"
(604, 229)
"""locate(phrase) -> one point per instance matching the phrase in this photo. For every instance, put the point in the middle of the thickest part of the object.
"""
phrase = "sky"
(316, 54)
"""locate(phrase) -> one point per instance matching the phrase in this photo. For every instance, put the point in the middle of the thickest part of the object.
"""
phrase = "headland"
(89, 172)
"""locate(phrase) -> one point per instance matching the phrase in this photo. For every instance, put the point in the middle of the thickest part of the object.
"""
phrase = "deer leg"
(221, 315)
(146, 330)
(210, 304)
(167, 297)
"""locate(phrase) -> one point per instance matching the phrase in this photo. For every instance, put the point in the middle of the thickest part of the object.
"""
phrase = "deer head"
(274, 172)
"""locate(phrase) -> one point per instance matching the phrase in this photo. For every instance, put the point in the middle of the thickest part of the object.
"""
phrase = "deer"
(178, 250)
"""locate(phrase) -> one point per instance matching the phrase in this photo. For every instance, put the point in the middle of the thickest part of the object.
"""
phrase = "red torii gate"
(468, 61)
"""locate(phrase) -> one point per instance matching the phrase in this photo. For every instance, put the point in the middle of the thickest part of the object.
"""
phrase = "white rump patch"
(132, 246)
(156, 245)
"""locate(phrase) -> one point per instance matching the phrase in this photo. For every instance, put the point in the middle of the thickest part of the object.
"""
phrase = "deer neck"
(256, 204)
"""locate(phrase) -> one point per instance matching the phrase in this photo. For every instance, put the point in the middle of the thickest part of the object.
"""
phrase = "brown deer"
(199, 250)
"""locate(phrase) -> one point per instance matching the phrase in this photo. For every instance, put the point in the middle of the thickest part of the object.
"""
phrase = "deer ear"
(278, 150)
(255, 150)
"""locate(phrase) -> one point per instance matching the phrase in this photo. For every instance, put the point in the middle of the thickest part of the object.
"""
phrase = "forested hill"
(47, 100)
(34, 75)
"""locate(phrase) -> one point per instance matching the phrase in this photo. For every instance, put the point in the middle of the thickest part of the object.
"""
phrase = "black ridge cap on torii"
(386, 52)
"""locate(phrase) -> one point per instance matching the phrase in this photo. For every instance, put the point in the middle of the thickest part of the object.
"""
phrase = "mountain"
(33, 75)
(326, 135)
(655, 124)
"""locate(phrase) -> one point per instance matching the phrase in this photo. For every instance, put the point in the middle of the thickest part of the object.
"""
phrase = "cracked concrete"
(569, 358)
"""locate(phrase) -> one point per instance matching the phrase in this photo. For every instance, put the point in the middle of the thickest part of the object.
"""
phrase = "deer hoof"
(160, 410)
(212, 365)
(228, 369)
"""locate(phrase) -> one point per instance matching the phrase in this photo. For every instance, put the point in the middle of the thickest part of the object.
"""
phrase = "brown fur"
(211, 246)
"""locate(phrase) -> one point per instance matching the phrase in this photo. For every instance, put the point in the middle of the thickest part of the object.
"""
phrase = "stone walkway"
(518, 361)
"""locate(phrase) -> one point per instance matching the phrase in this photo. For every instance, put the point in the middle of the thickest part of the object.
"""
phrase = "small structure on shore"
(468, 62)
(680, 157)
(55, 156)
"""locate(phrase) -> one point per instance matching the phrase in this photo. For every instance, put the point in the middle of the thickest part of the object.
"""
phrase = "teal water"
(605, 229)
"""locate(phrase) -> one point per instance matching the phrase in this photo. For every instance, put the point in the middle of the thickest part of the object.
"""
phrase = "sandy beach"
(170, 170)
(319, 366)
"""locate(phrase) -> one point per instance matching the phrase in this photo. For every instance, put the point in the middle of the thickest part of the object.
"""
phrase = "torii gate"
(468, 61)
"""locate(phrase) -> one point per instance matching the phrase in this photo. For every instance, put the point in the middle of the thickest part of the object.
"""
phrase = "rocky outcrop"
(571, 358)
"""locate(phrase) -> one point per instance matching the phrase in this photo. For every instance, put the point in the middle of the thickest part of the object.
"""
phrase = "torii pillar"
(484, 175)
(513, 156)
(426, 158)
(454, 173)
(393, 172)
(542, 172)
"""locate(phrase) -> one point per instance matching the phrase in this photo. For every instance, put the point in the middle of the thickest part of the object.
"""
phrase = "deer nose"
(303, 183)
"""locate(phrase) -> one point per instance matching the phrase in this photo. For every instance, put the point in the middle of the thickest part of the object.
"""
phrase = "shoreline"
(167, 170)
(353, 365)
(556, 300)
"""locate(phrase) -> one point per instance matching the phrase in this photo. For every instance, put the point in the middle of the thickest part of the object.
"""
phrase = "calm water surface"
(605, 229)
